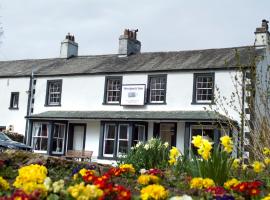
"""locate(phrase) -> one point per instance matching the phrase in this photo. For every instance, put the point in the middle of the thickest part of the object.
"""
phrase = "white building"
(108, 103)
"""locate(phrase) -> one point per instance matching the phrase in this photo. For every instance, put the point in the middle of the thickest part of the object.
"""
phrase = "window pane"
(157, 89)
(123, 132)
(204, 88)
(113, 90)
(110, 132)
(123, 147)
(109, 145)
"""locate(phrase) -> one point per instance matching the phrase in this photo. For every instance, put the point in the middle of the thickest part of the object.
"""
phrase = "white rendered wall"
(85, 93)
(92, 137)
(9, 116)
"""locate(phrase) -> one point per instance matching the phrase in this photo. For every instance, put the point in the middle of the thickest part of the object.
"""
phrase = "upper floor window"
(54, 90)
(157, 88)
(203, 88)
(113, 90)
(14, 100)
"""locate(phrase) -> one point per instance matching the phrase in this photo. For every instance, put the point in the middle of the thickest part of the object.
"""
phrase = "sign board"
(133, 95)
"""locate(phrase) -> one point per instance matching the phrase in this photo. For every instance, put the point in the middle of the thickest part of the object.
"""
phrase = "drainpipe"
(28, 111)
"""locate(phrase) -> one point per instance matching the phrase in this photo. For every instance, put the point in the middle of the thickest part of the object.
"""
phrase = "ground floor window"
(58, 138)
(40, 134)
(119, 137)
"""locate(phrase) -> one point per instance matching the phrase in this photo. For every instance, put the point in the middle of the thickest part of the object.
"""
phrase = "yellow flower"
(258, 166)
(82, 192)
(244, 166)
(266, 151)
(154, 192)
(207, 182)
(267, 161)
(205, 149)
(227, 143)
(197, 141)
(127, 168)
(231, 183)
(146, 179)
(174, 155)
(236, 163)
(197, 183)
(31, 178)
(4, 185)
(266, 197)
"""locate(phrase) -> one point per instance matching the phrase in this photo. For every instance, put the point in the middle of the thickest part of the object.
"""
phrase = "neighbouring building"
(108, 103)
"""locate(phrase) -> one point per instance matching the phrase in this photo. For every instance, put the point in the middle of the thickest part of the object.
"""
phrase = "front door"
(166, 131)
(76, 137)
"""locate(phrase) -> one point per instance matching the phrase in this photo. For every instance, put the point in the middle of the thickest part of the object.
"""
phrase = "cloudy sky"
(35, 28)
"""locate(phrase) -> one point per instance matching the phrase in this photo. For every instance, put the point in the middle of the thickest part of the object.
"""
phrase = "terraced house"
(108, 103)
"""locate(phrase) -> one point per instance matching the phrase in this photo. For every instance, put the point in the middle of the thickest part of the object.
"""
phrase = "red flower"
(254, 192)
(216, 191)
(89, 177)
(122, 193)
(156, 172)
(115, 171)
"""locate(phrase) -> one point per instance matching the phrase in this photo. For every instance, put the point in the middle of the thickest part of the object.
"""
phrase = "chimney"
(69, 47)
(262, 35)
(128, 43)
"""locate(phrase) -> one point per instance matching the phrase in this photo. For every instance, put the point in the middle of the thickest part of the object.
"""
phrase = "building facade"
(108, 103)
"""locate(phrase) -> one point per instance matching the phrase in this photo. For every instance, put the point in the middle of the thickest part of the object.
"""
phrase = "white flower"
(47, 183)
(143, 171)
(58, 186)
(146, 146)
(166, 144)
(184, 197)
(138, 144)
(132, 148)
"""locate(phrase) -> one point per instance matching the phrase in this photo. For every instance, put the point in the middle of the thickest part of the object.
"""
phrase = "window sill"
(152, 103)
(203, 103)
(111, 104)
(10, 108)
(107, 158)
(47, 105)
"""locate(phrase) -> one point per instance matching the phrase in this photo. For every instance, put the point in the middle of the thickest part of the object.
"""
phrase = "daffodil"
(258, 166)
(227, 143)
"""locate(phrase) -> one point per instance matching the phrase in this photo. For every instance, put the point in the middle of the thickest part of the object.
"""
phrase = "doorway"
(166, 131)
(76, 137)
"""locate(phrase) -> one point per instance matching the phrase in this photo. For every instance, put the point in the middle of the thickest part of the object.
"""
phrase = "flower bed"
(167, 174)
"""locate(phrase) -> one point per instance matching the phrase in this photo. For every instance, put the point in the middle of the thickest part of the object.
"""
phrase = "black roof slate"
(214, 59)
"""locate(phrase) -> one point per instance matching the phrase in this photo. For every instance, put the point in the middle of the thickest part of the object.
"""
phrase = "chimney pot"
(69, 47)
(128, 43)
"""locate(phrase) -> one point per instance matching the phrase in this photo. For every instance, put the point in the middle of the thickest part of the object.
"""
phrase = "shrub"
(152, 154)
(15, 136)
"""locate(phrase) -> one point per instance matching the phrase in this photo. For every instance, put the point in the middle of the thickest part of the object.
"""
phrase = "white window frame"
(113, 90)
(14, 101)
(111, 139)
(202, 88)
(59, 138)
(52, 83)
(155, 89)
(45, 137)
(118, 138)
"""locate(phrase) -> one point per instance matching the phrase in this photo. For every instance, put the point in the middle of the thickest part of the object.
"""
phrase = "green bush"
(152, 154)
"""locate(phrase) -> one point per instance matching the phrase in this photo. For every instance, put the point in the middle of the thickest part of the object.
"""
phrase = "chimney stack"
(69, 47)
(128, 43)
(262, 35)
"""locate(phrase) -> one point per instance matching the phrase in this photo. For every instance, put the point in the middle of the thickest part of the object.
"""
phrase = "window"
(203, 88)
(138, 134)
(40, 136)
(157, 88)
(119, 136)
(54, 90)
(58, 138)
(113, 90)
(14, 100)
(109, 137)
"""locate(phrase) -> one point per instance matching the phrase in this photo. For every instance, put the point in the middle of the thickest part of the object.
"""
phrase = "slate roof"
(131, 115)
(223, 58)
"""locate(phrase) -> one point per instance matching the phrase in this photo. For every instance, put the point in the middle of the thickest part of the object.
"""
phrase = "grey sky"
(35, 28)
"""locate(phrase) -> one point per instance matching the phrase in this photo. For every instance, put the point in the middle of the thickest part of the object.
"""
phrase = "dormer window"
(113, 90)
(203, 88)
(54, 90)
(14, 100)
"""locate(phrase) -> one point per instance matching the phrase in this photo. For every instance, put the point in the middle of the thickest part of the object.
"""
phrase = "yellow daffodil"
(258, 166)
(197, 141)
(227, 143)
(236, 163)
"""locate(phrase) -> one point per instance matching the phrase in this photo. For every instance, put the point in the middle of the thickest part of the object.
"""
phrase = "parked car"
(7, 143)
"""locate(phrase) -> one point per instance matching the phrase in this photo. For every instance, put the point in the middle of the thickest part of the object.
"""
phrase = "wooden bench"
(79, 155)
